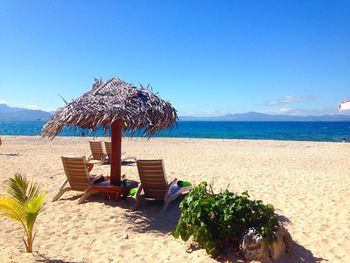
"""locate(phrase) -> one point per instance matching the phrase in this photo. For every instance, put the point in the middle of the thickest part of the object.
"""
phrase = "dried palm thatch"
(115, 100)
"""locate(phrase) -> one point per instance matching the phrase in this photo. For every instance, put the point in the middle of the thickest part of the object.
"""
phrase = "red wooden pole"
(116, 153)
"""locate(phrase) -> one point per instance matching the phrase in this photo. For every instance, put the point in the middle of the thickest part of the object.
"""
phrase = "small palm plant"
(22, 204)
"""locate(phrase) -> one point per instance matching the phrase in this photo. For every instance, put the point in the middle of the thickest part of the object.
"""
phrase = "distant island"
(8, 113)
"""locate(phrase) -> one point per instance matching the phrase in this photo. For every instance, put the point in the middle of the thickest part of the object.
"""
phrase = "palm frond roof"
(115, 100)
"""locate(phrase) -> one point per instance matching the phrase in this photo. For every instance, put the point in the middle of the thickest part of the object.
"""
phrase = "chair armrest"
(64, 183)
(139, 190)
(170, 185)
(105, 159)
(94, 177)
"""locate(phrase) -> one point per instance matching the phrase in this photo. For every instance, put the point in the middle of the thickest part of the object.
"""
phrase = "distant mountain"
(255, 116)
(21, 114)
(7, 109)
(8, 113)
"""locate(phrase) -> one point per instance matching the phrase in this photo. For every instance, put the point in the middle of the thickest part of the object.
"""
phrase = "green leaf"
(12, 208)
(23, 204)
(17, 186)
(212, 218)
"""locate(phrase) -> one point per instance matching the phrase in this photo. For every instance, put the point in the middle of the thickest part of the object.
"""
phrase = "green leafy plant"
(216, 220)
(22, 204)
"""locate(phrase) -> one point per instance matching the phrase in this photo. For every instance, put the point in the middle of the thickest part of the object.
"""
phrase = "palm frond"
(32, 191)
(35, 204)
(17, 186)
(32, 210)
(23, 204)
(115, 100)
(11, 208)
(25, 243)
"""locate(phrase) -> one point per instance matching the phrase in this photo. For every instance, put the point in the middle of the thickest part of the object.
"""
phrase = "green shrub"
(213, 219)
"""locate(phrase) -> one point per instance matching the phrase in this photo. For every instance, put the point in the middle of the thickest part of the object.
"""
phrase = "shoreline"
(107, 138)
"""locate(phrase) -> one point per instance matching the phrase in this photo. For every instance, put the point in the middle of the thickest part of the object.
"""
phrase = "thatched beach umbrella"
(116, 106)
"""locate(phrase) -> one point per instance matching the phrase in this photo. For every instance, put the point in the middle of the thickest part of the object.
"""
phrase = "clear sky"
(206, 57)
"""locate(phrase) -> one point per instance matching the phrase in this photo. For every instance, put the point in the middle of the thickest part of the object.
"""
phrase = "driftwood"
(115, 100)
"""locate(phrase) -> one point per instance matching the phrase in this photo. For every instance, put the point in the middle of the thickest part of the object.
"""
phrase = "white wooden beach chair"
(78, 178)
(124, 158)
(97, 153)
(154, 183)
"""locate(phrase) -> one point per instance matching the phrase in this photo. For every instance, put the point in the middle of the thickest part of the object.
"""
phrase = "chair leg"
(166, 203)
(60, 193)
(105, 159)
(86, 194)
(138, 198)
(170, 198)
(117, 196)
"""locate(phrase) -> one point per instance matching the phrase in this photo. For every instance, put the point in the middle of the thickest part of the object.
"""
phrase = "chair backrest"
(108, 146)
(76, 171)
(96, 150)
(153, 178)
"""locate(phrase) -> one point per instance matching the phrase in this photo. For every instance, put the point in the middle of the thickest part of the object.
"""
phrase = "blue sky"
(206, 57)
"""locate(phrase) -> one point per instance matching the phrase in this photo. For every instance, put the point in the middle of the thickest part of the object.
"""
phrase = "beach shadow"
(283, 219)
(128, 163)
(9, 154)
(103, 198)
(71, 198)
(47, 260)
(148, 218)
(42, 258)
(300, 254)
(109, 200)
(124, 163)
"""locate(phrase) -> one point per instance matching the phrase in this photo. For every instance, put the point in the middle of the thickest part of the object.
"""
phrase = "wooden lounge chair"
(154, 183)
(97, 153)
(108, 146)
(78, 177)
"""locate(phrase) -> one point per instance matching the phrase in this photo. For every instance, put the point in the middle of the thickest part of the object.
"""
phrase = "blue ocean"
(295, 131)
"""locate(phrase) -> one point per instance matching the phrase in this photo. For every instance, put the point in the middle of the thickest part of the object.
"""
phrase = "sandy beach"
(307, 182)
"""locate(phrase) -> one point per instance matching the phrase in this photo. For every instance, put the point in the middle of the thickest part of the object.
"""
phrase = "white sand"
(307, 182)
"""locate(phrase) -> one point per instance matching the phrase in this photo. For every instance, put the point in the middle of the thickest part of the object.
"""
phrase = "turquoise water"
(298, 131)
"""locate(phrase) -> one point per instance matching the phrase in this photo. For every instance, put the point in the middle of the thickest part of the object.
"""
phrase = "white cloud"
(288, 100)
(32, 107)
(3, 102)
(284, 110)
(50, 109)
(29, 106)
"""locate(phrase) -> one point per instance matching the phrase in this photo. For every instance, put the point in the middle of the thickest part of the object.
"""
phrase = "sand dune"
(307, 182)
